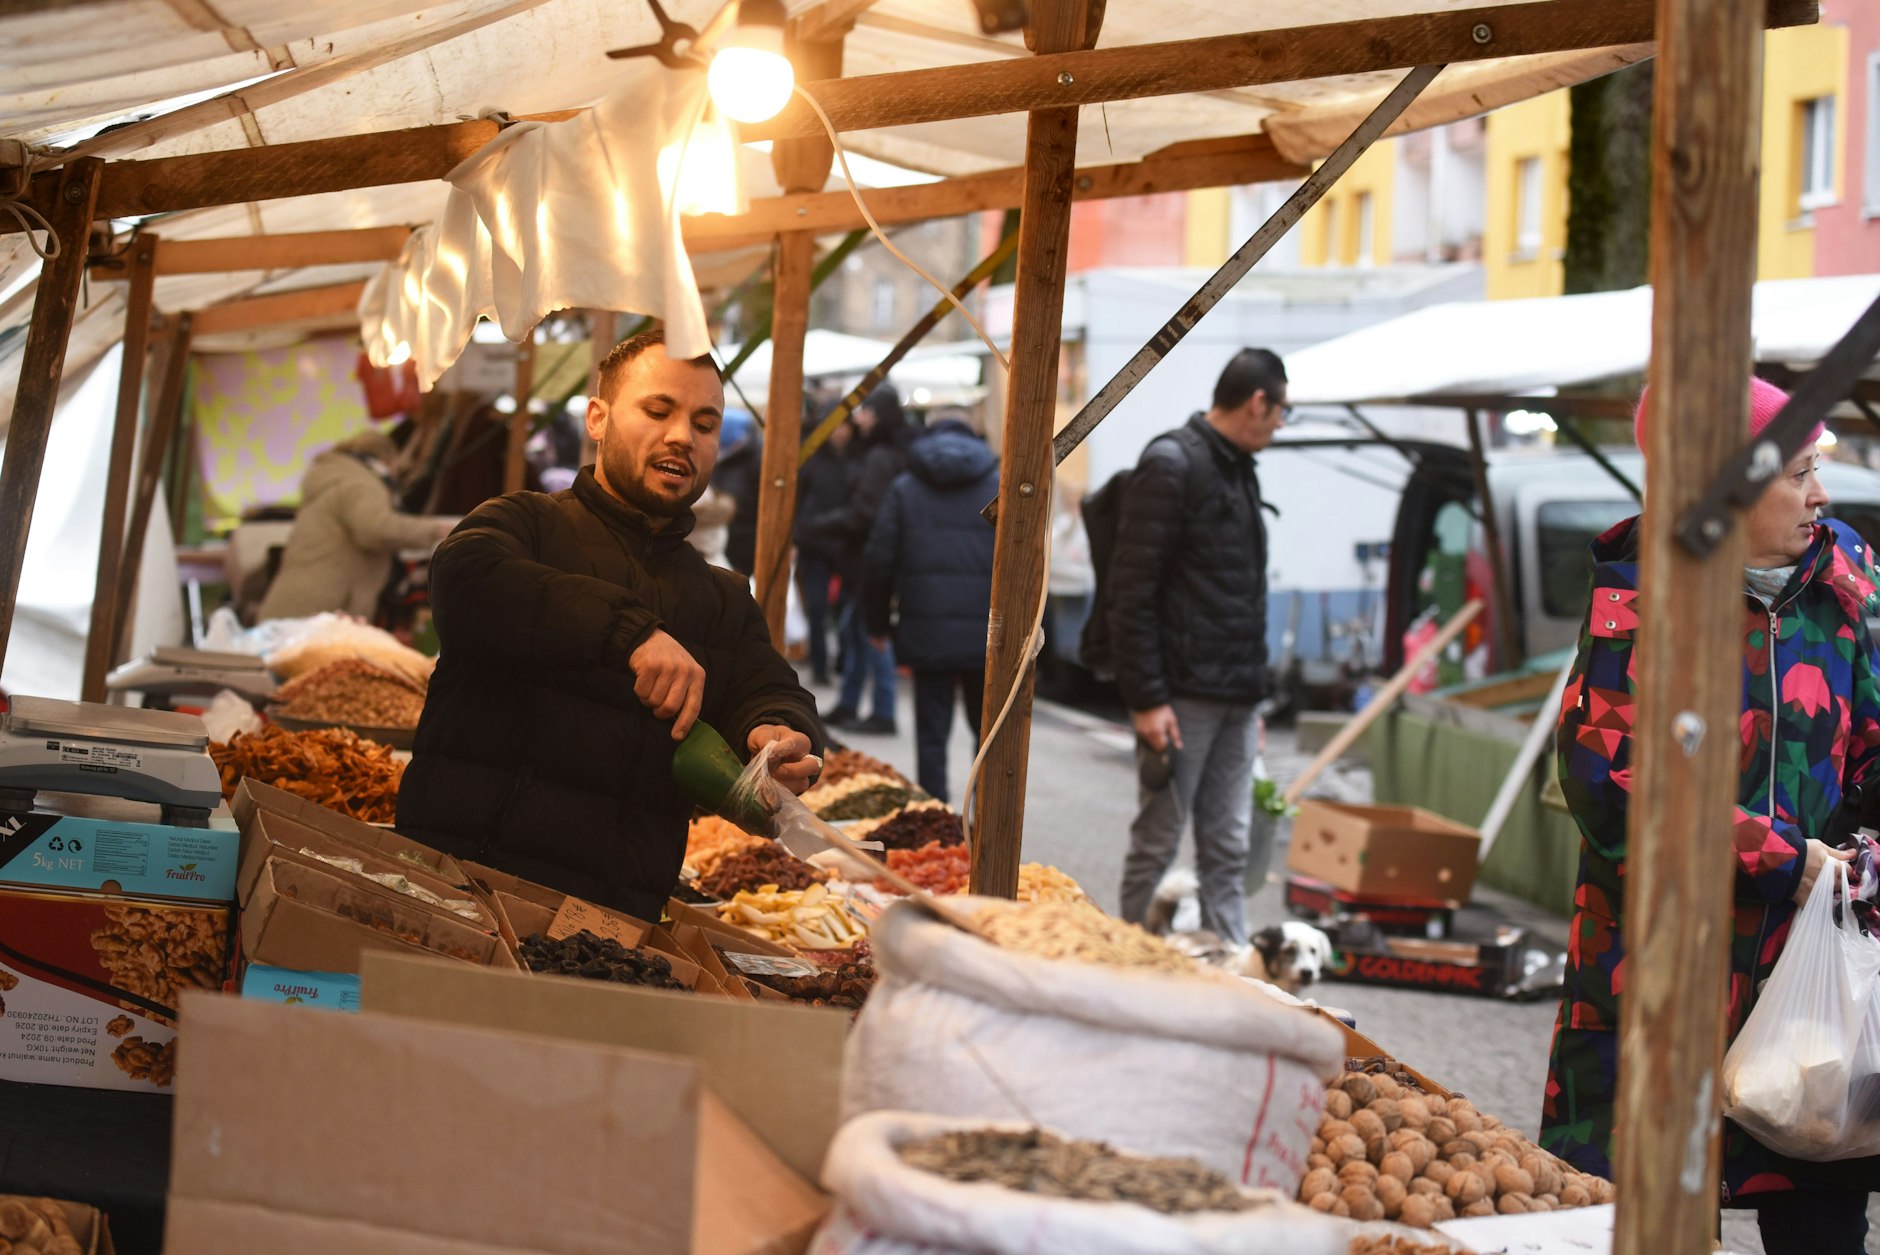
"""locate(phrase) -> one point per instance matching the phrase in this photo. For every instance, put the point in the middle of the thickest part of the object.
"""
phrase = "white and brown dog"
(1291, 955)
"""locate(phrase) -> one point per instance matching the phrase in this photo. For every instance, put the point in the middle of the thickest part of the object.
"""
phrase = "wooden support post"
(514, 464)
(159, 433)
(603, 325)
(801, 165)
(1705, 172)
(783, 428)
(141, 263)
(1025, 473)
(42, 362)
(1507, 631)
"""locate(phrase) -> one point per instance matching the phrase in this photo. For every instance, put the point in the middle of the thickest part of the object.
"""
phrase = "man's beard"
(628, 483)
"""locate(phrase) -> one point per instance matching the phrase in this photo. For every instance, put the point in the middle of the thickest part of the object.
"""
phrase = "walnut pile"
(120, 1025)
(146, 1060)
(7, 981)
(1387, 1152)
(155, 953)
(1392, 1244)
(353, 691)
(35, 1226)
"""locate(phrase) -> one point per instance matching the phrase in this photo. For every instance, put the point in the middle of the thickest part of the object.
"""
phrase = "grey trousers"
(1213, 783)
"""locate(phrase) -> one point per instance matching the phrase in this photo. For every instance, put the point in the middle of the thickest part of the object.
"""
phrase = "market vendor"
(581, 639)
(1810, 729)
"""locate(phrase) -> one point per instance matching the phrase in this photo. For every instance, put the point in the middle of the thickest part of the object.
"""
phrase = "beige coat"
(339, 552)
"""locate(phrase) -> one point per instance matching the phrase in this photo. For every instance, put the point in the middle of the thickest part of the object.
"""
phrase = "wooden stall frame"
(159, 435)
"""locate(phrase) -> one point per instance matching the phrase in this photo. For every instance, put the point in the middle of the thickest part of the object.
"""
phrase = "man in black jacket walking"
(1188, 636)
(582, 637)
(931, 551)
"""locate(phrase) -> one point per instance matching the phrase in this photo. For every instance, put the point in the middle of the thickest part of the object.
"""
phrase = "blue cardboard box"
(93, 850)
(336, 990)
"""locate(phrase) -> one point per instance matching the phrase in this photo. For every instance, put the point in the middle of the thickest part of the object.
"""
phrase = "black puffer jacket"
(1187, 579)
(822, 490)
(932, 550)
(739, 475)
(533, 755)
(879, 461)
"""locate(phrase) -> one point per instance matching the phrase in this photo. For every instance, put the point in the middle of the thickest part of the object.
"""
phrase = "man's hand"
(1815, 860)
(1158, 726)
(791, 763)
(668, 681)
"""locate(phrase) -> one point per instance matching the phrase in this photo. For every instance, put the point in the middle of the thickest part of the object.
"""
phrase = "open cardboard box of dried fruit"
(51, 1226)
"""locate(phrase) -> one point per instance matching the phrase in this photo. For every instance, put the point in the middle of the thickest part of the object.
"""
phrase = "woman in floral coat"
(1810, 727)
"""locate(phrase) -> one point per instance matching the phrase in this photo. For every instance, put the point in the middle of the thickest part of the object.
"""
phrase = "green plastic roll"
(706, 768)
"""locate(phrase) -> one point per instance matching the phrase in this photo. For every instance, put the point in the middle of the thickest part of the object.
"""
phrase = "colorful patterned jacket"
(1810, 726)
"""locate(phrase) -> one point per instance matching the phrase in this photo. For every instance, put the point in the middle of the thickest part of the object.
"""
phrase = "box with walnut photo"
(89, 985)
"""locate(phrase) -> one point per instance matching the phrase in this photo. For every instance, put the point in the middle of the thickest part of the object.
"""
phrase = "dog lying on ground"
(1291, 955)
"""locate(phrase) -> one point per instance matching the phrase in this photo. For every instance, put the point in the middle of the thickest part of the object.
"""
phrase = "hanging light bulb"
(750, 79)
(400, 354)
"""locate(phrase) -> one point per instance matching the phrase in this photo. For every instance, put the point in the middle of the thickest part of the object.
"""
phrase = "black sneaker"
(880, 725)
(842, 717)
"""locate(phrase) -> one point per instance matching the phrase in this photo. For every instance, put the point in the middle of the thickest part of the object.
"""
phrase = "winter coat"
(1810, 727)
(931, 550)
(822, 492)
(876, 465)
(533, 755)
(739, 476)
(1187, 584)
(338, 555)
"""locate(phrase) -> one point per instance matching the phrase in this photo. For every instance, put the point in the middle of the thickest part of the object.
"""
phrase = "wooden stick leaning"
(1385, 698)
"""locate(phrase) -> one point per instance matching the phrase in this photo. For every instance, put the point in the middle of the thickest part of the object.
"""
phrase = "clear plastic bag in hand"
(1791, 1076)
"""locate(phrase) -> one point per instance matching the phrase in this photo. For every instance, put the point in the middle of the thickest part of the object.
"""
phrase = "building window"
(1332, 251)
(1527, 208)
(1873, 136)
(883, 315)
(1817, 153)
(1367, 224)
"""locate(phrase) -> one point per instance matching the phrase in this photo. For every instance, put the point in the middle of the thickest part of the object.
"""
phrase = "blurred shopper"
(739, 479)
(882, 437)
(822, 489)
(928, 570)
(1810, 729)
(1187, 620)
(338, 556)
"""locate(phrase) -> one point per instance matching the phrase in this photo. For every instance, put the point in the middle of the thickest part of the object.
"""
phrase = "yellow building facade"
(1351, 224)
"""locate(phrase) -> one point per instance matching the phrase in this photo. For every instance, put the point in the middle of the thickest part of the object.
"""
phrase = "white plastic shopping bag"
(1790, 1076)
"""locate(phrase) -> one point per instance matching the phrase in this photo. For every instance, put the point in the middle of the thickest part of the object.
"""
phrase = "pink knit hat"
(1765, 402)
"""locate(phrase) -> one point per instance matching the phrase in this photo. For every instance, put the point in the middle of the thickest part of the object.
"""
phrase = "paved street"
(1081, 796)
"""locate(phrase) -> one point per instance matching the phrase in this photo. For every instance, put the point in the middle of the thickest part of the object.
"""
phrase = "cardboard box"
(778, 1067)
(1486, 969)
(272, 836)
(391, 1134)
(93, 850)
(319, 919)
(1360, 1047)
(336, 990)
(88, 1225)
(252, 796)
(77, 1003)
(1384, 851)
(522, 907)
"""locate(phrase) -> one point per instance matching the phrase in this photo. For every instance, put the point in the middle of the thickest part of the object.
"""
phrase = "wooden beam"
(1706, 117)
(279, 307)
(140, 261)
(42, 362)
(1180, 168)
(515, 465)
(170, 184)
(159, 434)
(1221, 62)
(281, 252)
(1025, 471)
(1565, 405)
(783, 429)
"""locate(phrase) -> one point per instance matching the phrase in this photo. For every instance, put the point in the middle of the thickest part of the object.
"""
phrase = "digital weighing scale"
(172, 669)
(156, 756)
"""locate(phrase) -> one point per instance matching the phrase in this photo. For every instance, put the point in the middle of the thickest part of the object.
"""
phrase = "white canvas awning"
(1511, 348)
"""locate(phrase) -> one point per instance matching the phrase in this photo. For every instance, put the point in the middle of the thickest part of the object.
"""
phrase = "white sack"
(885, 1207)
(1207, 1067)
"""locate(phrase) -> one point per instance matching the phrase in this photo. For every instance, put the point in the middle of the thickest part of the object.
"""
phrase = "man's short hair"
(1250, 371)
(615, 364)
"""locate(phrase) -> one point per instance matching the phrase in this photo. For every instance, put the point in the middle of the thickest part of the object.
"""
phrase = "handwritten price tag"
(576, 915)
